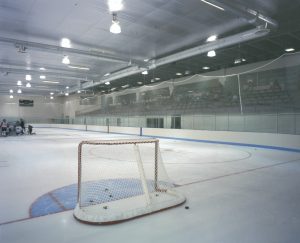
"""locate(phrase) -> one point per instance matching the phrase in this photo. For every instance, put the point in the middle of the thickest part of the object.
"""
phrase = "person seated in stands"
(250, 84)
(274, 86)
(3, 126)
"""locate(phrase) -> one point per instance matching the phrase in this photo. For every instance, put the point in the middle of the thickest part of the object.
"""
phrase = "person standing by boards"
(3, 126)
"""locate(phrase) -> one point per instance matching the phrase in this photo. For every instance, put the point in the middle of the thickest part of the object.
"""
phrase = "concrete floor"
(234, 194)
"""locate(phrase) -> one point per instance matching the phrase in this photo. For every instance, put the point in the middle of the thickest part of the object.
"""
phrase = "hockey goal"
(122, 179)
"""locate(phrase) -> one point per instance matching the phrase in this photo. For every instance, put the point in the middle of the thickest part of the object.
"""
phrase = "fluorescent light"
(145, 72)
(205, 68)
(51, 82)
(212, 38)
(51, 93)
(67, 87)
(214, 5)
(107, 74)
(28, 77)
(289, 49)
(66, 60)
(78, 92)
(19, 91)
(115, 27)
(115, 5)
(51, 97)
(78, 67)
(42, 68)
(178, 74)
(11, 91)
(211, 53)
(157, 79)
(19, 83)
(65, 42)
(42, 77)
(11, 96)
(66, 94)
(107, 83)
(28, 85)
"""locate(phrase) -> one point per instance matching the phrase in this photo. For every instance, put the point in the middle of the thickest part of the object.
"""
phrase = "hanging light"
(19, 91)
(211, 53)
(115, 5)
(11, 91)
(11, 96)
(115, 27)
(65, 42)
(28, 85)
(145, 72)
(19, 83)
(66, 60)
(28, 77)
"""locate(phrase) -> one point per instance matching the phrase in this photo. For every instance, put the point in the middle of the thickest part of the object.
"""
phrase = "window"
(176, 122)
(155, 122)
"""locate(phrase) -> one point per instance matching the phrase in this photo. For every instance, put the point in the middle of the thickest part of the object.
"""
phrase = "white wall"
(42, 108)
(264, 139)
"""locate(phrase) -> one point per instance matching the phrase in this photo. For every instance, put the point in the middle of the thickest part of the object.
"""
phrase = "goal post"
(122, 179)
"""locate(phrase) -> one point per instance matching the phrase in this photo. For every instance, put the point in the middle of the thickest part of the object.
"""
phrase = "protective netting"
(121, 179)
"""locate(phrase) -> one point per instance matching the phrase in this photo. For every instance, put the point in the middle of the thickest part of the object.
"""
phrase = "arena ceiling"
(164, 37)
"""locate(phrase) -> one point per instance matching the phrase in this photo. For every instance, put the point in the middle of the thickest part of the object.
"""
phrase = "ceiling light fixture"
(28, 77)
(212, 38)
(65, 42)
(145, 72)
(19, 83)
(11, 96)
(19, 91)
(211, 53)
(289, 49)
(115, 5)
(78, 67)
(107, 83)
(42, 68)
(214, 5)
(66, 94)
(11, 91)
(206, 68)
(42, 77)
(51, 82)
(78, 92)
(28, 85)
(66, 60)
(115, 27)
(51, 93)
(51, 97)
(178, 74)
(67, 87)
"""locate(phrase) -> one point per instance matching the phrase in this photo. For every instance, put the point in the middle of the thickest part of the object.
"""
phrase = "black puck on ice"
(187, 207)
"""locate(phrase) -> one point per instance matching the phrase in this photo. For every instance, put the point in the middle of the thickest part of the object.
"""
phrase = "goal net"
(122, 179)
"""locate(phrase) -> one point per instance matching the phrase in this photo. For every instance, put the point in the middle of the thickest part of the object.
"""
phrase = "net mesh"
(122, 179)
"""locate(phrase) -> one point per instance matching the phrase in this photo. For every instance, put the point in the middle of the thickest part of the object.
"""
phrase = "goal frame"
(176, 197)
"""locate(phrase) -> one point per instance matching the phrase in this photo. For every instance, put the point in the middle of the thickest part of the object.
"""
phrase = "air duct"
(220, 43)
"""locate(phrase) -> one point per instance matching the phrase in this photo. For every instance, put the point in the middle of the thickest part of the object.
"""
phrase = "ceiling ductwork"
(204, 48)
(24, 45)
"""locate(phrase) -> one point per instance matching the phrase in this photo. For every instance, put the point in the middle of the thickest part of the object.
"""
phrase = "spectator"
(22, 124)
(3, 126)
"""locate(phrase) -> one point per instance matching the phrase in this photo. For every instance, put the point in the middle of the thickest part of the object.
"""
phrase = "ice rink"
(234, 193)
